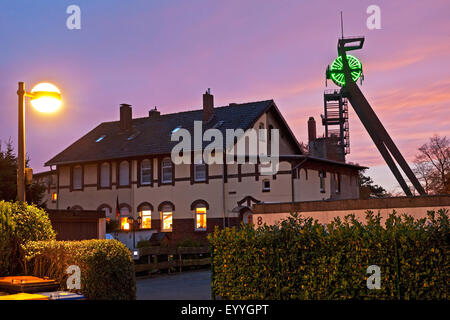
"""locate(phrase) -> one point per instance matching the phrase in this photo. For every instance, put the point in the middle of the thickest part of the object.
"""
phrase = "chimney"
(208, 106)
(311, 129)
(125, 117)
(153, 113)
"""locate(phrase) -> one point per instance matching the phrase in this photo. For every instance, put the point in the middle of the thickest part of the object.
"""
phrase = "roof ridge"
(197, 110)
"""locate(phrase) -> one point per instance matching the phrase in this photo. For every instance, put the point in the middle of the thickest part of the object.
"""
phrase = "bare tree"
(432, 165)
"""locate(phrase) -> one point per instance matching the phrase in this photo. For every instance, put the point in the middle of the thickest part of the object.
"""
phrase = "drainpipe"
(223, 193)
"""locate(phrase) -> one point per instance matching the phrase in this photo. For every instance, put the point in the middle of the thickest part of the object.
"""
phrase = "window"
(200, 172)
(105, 175)
(124, 214)
(266, 185)
(269, 132)
(200, 218)
(337, 182)
(107, 210)
(146, 172)
(77, 180)
(166, 218)
(124, 173)
(322, 181)
(54, 196)
(145, 212)
(166, 170)
(262, 135)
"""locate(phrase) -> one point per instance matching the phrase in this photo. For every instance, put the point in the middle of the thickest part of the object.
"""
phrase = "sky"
(167, 53)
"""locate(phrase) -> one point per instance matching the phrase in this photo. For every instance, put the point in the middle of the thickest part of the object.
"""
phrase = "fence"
(153, 259)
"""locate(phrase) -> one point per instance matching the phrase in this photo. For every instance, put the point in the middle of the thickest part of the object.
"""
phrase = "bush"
(302, 259)
(107, 269)
(20, 223)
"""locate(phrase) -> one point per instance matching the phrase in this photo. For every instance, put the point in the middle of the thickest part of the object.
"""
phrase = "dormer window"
(176, 129)
(218, 124)
(134, 135)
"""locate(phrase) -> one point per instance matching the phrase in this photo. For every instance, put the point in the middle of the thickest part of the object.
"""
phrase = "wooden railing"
(153, 259)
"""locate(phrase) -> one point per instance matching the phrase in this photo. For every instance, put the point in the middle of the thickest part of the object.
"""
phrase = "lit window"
(124, 225)
(166, 219)
(146, 216)
(266, 185)
(124, 173)
(124, 214)
(322, 181)
(200, 219)
(146, 172)
(77, 177)
(166, 170)
(105, 178)
(200, 172)
(337, 182)
(54, 196)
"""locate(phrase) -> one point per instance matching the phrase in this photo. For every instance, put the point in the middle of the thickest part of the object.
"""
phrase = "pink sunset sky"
(167, 53)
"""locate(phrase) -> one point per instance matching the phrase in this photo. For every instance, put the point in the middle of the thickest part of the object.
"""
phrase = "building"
(129, 162)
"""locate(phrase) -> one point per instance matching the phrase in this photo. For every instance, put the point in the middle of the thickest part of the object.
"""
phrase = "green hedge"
(19, 223)
(302, 259)
(107, 268)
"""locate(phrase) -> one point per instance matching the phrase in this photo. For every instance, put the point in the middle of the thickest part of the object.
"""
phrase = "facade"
(127, 164)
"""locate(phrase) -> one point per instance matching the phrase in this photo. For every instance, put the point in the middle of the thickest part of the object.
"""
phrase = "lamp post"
(45, 97)
(133, 223)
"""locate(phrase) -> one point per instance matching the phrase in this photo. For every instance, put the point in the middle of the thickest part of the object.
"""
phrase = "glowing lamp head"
(46, 97)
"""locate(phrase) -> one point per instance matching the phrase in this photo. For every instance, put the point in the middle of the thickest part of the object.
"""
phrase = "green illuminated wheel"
(336, 70)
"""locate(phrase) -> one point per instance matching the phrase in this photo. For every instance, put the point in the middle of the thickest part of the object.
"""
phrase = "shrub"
(20, 223)
(302, 259)
(107, 269)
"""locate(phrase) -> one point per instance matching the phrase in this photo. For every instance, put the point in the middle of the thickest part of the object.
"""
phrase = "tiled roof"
(153, 133)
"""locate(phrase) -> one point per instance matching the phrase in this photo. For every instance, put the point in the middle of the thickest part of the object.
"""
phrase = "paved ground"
(190, 285)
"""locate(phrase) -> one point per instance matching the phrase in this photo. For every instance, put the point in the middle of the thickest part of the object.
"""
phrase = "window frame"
(100, 166)
(72, 180)
(196, 214)
(204, 165)
(119, 167)
(337, 182)
(167, 160)
(141, 172)
(322, 181)
(145, 206)
(264, 188)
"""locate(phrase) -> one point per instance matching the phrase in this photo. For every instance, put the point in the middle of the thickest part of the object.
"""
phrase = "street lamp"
(45, 97)
(134, 223)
